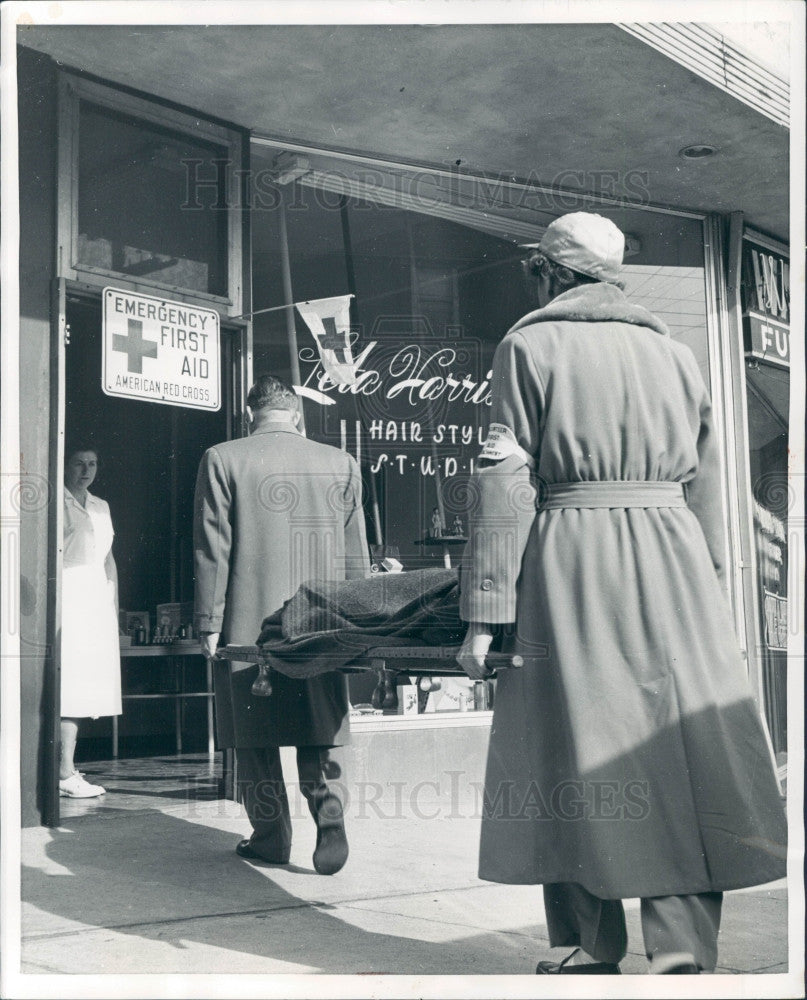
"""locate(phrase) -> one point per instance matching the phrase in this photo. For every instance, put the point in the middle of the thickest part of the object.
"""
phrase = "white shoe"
(75, 787)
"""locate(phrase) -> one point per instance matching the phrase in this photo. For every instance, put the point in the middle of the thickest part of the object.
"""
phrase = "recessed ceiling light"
(699, 151)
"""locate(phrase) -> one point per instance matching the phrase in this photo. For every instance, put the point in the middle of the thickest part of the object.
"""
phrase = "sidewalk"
(146, 880)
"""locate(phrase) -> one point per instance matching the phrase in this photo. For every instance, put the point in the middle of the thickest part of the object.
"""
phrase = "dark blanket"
(326, 626)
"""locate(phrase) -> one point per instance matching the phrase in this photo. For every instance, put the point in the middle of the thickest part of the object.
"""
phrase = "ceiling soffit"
(582, 107)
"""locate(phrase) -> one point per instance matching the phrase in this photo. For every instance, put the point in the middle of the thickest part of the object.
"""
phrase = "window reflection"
(677, 296)
(433, 298)
(137, 214)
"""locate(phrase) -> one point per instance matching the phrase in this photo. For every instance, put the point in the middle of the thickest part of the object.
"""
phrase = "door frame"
(59, 337)
(236, 362)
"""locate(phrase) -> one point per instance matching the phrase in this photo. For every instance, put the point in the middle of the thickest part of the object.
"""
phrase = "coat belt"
(623, 493)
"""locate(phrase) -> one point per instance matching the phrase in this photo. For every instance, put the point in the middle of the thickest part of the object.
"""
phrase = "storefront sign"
(767, 339)
(412, 373)
(160, 351)
(766, 304)
(425, 406)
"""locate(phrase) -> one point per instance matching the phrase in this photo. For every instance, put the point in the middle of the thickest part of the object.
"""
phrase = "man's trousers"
(671, 925)
(263, 792)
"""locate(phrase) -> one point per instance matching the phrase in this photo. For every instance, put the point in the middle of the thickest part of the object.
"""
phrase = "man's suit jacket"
(271, 511)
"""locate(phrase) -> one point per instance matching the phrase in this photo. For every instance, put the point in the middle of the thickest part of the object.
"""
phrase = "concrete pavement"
(147, 881)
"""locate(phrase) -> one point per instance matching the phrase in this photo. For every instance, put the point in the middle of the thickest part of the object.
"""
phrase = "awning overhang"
(585, 107)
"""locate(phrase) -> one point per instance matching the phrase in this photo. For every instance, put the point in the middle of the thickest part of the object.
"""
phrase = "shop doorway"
(148, 457)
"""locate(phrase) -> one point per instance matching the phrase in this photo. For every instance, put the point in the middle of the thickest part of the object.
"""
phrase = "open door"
(148, 456)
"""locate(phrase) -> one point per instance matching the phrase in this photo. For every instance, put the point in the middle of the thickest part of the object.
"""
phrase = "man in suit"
(271, 511)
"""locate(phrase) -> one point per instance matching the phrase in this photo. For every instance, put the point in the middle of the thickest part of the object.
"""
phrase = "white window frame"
(72, 90)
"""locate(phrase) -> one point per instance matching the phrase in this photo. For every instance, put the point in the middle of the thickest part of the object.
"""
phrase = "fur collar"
(597, 303)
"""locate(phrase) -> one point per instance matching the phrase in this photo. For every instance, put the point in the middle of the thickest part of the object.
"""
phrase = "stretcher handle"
(244, 654)
(439, 653)
(252, 654)
(376, 659)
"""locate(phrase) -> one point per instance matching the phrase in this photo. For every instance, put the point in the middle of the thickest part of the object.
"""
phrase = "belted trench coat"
(627, 754)
(272, 511)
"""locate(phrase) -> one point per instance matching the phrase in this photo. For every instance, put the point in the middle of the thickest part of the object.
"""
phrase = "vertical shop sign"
(160, 351)
(766, 304)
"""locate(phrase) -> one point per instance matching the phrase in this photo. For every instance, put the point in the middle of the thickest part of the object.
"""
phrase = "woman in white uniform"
(90, 685)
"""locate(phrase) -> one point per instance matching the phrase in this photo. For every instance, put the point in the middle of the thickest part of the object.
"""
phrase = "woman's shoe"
(586, 968)
(75, 787)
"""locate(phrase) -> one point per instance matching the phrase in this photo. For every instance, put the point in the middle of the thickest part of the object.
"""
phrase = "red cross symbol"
(134, 347)
(333, 340)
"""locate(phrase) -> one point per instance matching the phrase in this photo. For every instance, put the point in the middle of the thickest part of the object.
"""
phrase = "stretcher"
(414, 661)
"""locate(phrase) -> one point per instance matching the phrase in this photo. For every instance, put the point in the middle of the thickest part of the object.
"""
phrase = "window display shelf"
(168, 649)
(177, 652)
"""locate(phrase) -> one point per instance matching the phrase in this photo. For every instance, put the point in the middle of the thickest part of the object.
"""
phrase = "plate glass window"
(151, 202)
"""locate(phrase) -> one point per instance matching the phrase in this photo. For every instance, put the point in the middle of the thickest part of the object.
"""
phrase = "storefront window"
(432, 299)
(677, 296)
(766, 315)
(151, 202)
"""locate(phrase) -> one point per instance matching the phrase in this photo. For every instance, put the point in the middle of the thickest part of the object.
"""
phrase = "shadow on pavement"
(163, 879)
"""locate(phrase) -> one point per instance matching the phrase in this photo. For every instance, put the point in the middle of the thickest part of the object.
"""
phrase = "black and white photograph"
(403, 511)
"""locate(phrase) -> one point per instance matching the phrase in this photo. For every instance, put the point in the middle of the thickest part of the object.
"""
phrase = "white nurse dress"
(91, 684)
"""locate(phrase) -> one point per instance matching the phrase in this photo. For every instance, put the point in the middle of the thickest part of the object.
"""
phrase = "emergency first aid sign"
(160, 351)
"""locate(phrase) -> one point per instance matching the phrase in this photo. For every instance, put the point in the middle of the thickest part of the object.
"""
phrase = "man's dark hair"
(271, 393)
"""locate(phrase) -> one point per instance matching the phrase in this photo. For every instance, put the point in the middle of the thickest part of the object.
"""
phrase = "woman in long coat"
(627, 757)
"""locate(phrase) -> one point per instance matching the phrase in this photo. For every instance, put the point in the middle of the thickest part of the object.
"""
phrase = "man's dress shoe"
(564, 968)
(331, 851)
(678, 963)
(244, 850)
